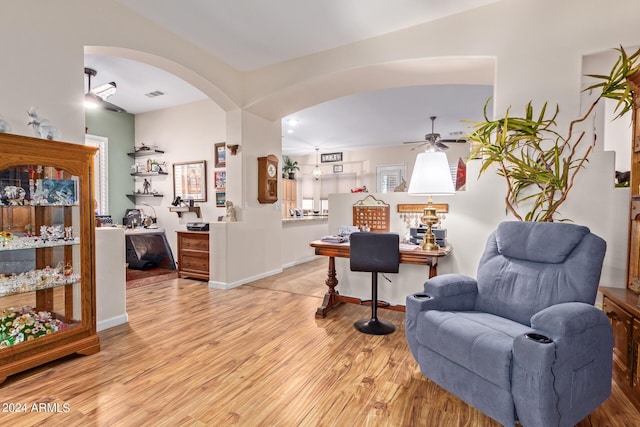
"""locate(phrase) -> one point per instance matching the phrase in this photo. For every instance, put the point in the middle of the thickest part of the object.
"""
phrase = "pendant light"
(316, 171)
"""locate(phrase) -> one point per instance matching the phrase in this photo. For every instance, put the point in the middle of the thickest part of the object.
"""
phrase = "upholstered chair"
(523, 341)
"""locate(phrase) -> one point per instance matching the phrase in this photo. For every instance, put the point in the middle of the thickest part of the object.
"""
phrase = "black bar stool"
(375, 253)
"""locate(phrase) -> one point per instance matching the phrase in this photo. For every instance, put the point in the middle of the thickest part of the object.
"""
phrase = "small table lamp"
(431, 176)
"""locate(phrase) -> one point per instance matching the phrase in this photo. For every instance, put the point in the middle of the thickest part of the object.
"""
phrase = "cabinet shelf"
(21, 243)
(32, 285)
(142, 153)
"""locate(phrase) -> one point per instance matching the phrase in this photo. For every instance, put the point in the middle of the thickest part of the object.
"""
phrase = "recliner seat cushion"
(480, 342)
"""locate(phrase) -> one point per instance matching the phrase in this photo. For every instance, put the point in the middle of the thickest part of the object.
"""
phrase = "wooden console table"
(342, 250)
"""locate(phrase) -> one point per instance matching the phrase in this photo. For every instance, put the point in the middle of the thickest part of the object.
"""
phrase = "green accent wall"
(119, 128)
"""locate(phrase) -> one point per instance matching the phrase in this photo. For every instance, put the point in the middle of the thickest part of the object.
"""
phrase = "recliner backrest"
(528, 266)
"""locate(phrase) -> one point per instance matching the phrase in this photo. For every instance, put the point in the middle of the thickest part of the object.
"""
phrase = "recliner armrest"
(448, 285)
(567, 319)
(445, 292)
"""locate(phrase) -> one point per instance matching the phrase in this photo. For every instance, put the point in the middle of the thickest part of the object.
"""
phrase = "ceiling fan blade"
(112, 107)
(457, 140)
(414, 142)
(431, 146)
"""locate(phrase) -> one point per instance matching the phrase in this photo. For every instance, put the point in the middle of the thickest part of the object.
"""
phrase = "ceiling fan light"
(91, 101)
(106, 90)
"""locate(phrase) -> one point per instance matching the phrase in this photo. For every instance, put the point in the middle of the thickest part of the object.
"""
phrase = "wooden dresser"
(193, 254)
(621, 303)
(621, 307)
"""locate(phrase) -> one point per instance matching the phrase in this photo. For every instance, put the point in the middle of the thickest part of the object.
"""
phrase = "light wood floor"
(250, 356)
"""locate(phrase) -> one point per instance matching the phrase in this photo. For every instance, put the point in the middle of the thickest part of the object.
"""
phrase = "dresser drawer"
(194, 262)
(195, 242)
(621, 323)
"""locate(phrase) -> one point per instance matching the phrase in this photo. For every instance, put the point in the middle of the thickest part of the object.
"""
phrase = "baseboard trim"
(301, 261)
(111, 322)
(225, 285)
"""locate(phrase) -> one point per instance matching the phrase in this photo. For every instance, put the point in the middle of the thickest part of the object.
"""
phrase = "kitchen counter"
(306, 218)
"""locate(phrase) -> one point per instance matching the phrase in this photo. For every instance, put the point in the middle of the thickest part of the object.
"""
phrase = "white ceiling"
(249, 34)
(384, 118)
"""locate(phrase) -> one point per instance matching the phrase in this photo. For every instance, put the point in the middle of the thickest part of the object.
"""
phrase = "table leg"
(433, 266)
(331, 297)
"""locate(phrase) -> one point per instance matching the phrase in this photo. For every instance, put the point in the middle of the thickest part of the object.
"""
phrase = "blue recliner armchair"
(522, 342)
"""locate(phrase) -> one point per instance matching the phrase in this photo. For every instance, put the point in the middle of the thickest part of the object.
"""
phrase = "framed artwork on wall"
(220, 199)
(330, 157)
(190, 181)
(220, 180)
(220, 155)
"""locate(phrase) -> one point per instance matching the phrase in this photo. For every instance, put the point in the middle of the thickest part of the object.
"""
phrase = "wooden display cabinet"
(46, 252)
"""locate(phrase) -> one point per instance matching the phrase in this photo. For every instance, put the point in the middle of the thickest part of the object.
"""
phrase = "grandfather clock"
(268, 179)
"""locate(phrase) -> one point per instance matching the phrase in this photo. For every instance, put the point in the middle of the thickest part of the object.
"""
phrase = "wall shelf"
(149, 173)
(142, 153)
(145, 195)
(181, 209)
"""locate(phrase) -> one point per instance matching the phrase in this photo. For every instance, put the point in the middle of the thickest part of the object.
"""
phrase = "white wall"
(186, 133)
(296, 236)
(111, 296)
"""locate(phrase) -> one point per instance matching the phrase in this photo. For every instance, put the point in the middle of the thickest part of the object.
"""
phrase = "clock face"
(271, 170)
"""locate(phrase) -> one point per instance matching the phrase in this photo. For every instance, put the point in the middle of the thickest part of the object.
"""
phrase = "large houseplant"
(538, 163)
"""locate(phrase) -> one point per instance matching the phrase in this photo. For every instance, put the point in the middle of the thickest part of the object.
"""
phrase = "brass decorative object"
(430, 218)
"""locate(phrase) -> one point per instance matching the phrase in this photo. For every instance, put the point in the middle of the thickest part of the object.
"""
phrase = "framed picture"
(330, 157)
(221, 200)
(221, 155)
(337, 169)
(190, 181)
(221, 180)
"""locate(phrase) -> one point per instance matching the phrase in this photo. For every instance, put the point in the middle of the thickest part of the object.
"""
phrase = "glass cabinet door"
(40, 268)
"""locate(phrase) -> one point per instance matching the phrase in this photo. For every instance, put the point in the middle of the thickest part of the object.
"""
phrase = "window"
(100, 172)
(388, 177)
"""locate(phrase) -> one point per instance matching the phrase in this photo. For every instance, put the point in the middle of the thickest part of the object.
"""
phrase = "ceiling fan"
(433, 141)
(97, 97)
